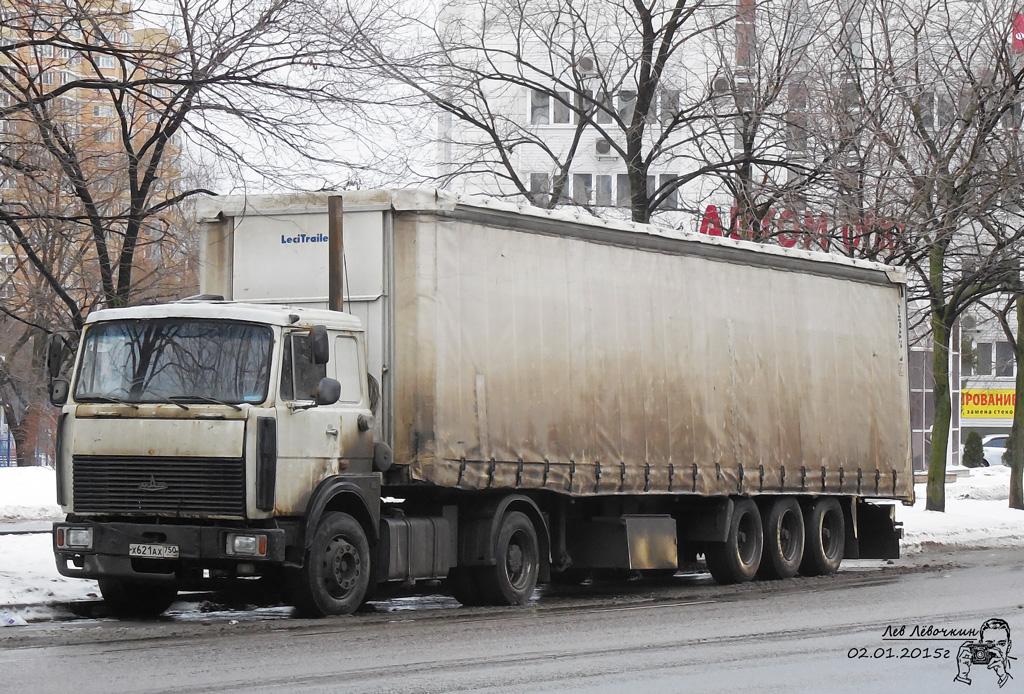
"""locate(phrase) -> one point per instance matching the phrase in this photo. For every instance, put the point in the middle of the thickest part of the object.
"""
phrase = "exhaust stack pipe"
(336, 249)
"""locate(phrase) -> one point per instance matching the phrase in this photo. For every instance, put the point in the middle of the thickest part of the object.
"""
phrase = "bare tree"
(940, 90)
(103, 104)
(627, 86)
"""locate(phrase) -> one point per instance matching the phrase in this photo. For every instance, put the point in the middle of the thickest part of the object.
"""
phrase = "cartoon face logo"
(991, 650)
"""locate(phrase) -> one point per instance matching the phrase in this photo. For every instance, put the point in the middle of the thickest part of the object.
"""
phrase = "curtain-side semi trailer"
(507, 396)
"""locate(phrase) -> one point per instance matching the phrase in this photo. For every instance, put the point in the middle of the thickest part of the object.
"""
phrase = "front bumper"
(202, 552)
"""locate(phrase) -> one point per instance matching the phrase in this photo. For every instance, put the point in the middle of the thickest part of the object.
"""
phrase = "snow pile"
(28, 575)
(976, 516)
(983, 484)
(28, 493)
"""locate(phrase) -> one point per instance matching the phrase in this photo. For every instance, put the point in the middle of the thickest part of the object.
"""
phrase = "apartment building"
(66, 136)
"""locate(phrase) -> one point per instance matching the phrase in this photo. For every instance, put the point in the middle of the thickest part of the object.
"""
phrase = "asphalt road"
(683, 635)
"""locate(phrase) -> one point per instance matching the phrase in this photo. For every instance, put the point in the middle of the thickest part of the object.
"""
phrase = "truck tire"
(512, 579)
(131, 599)
(737, 559)
(336, 570)
(826, 538)
(783, 539)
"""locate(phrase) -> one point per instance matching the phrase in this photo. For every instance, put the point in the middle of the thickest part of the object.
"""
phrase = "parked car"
(993, 446)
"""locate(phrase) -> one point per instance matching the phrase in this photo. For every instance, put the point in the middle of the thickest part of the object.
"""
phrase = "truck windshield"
(150, 361)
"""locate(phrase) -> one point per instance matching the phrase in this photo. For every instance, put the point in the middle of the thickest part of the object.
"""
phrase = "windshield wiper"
(170, 401)
(202, 398)
(107, 398)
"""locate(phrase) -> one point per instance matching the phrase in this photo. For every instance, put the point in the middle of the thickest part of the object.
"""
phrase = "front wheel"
(336, 572)
(512, 579)
(737, 559)
(826, 538)
(131, 599)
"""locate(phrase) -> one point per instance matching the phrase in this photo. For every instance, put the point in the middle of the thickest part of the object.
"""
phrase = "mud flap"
(878, 532)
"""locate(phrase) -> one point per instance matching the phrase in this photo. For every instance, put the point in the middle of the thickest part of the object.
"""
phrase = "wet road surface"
(680, 635)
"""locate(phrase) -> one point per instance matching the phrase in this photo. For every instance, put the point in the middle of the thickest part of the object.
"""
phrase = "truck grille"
(178, 486)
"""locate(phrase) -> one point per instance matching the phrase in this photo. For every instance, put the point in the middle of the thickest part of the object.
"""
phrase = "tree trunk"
(1015, 444)
(936, 491)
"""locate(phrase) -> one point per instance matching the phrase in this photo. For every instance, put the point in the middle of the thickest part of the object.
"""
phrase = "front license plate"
(153, 551)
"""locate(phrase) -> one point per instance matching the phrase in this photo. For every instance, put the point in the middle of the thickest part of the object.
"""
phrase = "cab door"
(308, 435)
(349, 359)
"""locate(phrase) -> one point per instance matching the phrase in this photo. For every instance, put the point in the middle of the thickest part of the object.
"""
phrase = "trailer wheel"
(783, 539)
(130, 599)
(737, 559)
(512, 579)
(336, 571)
(826, 538)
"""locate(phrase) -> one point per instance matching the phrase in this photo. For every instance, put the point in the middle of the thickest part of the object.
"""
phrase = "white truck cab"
(224, 413)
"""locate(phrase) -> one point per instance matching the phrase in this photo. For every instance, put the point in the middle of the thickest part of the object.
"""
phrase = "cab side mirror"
(59, 389)
(55, 350)
(328, 391)
(321, 345)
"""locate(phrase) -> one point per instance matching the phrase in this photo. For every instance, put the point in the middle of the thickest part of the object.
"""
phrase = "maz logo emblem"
(152, 485)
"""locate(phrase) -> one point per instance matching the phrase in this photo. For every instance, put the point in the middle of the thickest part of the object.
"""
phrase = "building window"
(105, 61)
(546, 109)
(104, 135)
(797, 118)
(968, 355)
(1004, 360)
(603, 191)
(8, 264)
(46, 77)
(922, 407)
(622, 197)
(540, 189)
(582, 188)
(103, 111)
(539, 102)
(44, 50)
(936, 110)
(984, 363)
(604, 110)
(671, 200)
(560, 111)
(627, 104)
(669, 106)
(584, 104)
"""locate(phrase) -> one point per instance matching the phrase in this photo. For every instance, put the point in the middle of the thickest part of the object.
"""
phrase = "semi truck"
(377, 388)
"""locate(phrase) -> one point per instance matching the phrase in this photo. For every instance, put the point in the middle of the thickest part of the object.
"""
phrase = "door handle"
(332, 430)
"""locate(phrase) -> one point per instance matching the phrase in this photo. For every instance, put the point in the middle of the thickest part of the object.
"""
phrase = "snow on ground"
(28, 493)
(976, 517)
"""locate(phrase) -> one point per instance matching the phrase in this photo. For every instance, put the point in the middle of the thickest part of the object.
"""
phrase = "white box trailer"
(558, 395)
(522, 348)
